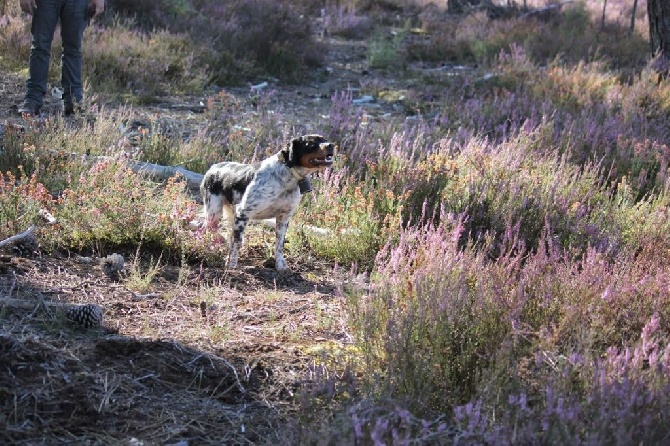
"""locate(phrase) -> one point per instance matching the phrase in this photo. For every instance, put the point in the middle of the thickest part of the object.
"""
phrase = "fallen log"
(155, 171)
(545, 12)
(193, 179)
(17, 237)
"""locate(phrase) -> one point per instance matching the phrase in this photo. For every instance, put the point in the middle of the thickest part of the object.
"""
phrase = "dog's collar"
(295, 174)
(303, 183)
(284, 160)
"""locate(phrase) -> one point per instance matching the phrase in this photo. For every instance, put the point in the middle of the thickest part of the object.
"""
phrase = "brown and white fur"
(270, 189)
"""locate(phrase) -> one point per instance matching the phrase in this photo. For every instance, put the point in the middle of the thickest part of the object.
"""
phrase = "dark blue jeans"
(72, 15)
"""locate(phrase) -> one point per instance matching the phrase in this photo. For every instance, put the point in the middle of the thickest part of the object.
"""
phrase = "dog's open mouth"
(323, 161)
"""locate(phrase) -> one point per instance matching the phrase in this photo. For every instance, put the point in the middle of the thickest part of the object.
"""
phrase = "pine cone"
(85, 316)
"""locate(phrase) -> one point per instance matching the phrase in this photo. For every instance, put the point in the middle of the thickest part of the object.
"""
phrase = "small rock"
(259, 87)
(363, 100)
(112, 265)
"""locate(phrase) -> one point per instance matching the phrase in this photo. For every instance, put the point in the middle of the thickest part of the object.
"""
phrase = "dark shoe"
(72, 108)
(69, 109)
(28, 109)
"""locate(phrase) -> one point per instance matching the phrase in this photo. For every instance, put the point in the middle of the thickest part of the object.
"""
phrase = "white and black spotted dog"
(270, 189)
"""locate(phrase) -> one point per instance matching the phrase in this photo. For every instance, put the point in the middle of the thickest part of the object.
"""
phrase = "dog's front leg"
(236, 240)
(281, 226)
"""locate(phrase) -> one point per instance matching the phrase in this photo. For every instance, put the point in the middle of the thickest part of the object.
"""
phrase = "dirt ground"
(205, 356)
(211, 357)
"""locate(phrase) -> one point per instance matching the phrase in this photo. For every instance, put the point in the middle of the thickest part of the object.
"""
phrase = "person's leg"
(73, 21)
(44, 23)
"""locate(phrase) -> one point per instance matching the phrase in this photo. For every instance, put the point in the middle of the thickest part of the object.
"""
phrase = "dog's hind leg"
(228, 212)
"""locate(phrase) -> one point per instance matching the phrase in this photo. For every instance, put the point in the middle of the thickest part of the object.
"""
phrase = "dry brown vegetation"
(202, 355)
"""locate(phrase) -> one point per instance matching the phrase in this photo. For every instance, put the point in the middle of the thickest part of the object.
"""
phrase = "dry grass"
(214, 360)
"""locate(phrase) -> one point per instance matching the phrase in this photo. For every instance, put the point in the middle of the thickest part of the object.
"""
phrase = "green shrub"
(358, 218)
(121, 60)
(21, 199)
(244, 40)
(573, 35)
(433, 321)
(15, 40)
(387, 51)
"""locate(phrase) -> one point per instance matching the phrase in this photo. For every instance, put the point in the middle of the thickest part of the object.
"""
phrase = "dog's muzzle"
(328, 150)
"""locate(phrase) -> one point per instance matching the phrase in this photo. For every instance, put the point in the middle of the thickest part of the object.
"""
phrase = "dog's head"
(310, 152)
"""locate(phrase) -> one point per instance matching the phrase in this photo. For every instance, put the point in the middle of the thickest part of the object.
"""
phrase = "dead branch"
(193, 179)
(17, 237)
(25, 304)
(144, 296)
(551, 9)
(156, 171)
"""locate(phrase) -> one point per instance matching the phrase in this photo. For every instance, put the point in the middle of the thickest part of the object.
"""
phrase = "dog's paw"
(197, 225)
(280, 264)
(280, 267)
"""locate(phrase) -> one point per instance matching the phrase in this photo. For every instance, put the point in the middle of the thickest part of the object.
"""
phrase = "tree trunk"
(632, 17)
(659, 27)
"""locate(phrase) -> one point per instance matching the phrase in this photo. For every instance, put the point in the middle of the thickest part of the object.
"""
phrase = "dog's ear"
(291, 150)
(286, 154)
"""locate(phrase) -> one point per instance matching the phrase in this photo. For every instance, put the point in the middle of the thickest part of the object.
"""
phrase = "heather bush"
(572, 35)
(344, 20)
(21, 199)
(98, 201)
(53, 152)
(275, 36)
(519, 183)
(94, 214)
(157, 148)
(121, 60)
(158, 14)
(14, 39)
(244, 39)
(584, 111)
(344, 120)
(359, 218)
(530, 348)
(375, 189)
(431, 323)
(575, 36)
(516, 187)
(617, 398)
(90, 217)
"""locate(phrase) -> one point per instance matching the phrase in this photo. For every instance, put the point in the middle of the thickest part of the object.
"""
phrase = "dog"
(269, 189)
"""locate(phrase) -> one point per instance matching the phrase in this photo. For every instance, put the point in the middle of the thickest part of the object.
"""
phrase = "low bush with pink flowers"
(513, 234)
